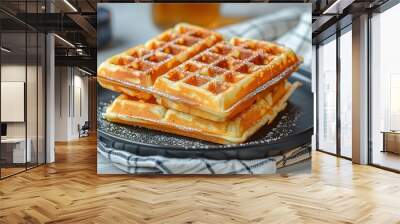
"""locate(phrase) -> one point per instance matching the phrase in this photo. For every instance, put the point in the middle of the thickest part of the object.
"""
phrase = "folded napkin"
(292, 28)
(134, 164)
(289, 27)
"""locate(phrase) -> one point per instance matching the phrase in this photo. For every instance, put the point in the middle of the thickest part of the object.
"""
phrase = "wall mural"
(204, 88)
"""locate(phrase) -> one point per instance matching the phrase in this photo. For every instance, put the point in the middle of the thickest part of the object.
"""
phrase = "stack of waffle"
(190, 81)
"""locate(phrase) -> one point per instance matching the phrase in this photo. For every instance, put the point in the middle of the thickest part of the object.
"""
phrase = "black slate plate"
(293, 127)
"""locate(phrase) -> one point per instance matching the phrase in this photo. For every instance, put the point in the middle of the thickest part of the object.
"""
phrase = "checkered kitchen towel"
(134, 164)
(290, 27)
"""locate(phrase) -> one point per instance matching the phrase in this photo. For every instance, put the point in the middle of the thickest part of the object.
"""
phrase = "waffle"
(142, 65)
(192, 70)
(131, 111)
(223, 80)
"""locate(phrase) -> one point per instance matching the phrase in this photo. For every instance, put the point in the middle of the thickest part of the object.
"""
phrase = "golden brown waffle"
(191, 70)
(148, 114)
(222, 80)
(142, 65)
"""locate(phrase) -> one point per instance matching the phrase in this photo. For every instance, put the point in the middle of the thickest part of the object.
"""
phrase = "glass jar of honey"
(166, 15)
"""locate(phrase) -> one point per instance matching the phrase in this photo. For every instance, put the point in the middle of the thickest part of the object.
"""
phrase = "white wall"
(81, 94)
(70, 83)
(33, 126)
(12, 73)
(61, 104)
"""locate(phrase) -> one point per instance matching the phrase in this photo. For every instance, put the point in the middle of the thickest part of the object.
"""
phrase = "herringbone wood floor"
(70, 191)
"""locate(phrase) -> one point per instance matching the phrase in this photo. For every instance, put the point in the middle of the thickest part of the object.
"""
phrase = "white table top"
(13, 140)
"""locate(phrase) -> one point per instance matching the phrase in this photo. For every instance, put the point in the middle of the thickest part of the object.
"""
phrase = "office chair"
(84, 130)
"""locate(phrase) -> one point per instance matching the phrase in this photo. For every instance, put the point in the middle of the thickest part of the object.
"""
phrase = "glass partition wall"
(334, 93)
(385, 90)
(334, 122)
(327, 96)
(345, 93)
(13, 122)
(22, 77)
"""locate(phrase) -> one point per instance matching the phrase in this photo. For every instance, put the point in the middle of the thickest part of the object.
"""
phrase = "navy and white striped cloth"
(134, 164)
(290, 27)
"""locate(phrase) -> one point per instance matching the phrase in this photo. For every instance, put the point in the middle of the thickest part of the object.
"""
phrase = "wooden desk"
(391, 141)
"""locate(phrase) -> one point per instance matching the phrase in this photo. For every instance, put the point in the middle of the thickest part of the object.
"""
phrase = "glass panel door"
(327, 97)
(346, 94)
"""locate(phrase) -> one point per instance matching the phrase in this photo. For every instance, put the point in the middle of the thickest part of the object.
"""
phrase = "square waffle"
(223, 80)
(142, 65)
(147, 113)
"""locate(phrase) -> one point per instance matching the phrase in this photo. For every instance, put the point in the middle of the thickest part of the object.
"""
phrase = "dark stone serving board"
(293, 127)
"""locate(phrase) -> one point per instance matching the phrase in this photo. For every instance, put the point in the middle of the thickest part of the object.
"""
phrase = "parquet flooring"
(70, 191)
(11, 170)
